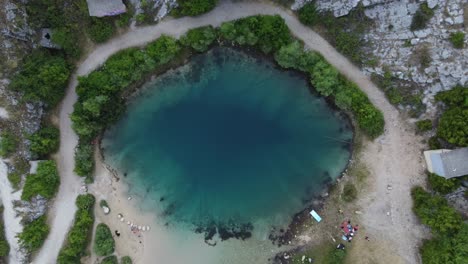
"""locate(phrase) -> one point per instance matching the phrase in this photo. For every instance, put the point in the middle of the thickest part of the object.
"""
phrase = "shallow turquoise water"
(228, 138)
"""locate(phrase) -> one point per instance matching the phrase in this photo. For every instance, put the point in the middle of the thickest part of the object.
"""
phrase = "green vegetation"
(103, 203)
(101, 29)
(8, 143)
(193, 7)
(15, 179)
(329, 82)
(349, 192)
(421, 17)
(424, 125)
(110, 260)
(78, 236)
(103, 241)
(126, 260)
(453, 124)
(4, 246)
(199, 39)
(45, 141)
(34, 234)
(434, 143)
(434, 211)
(43, 77)
(268, 33)
(442, 185)
(458, 39)
(345, 33)
(450, 235)
(100, 102)
(403, 94)
(84, 159)
(44, 182)
(324, 253)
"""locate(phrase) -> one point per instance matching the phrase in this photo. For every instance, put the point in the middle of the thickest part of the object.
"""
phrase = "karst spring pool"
(228, 139)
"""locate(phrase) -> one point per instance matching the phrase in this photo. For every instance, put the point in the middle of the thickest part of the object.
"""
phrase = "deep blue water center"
(228, 138)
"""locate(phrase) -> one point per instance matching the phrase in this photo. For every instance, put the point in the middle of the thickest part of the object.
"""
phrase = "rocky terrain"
(396, 48)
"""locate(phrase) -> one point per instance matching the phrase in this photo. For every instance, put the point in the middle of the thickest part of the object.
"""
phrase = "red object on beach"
(344, 227)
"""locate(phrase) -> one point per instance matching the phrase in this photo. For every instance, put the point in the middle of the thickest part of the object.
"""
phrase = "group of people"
(349, 230)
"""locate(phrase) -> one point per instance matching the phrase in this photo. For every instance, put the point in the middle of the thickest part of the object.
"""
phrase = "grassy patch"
(15, 179)
(424, 125)
(458, 39)
(421, 17)
(324, 253)
(8, 143)
(349, 192)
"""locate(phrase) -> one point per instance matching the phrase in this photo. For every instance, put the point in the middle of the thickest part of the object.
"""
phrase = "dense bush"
(15, 179)
(329, 82)
(43, 77)
(199, 39)
(103, 241)
(446, 249)
(268, 33)
(434, 143)
(308, 14)
(424, 125)
(34, 234)
(68, 40)
(421, 17)
(453, 126)
(101, 29)
(458, 39)
(434, 211)
(110, 260)
(349, 192)
(45, 141)
(44, 182)
(84, 159)
(126, 260)
(453, 123)
(194, 7)
(8, 144)
(442, 185)
(4, 246)
(78, 236)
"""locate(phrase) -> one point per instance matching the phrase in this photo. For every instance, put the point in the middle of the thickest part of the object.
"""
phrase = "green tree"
(43, 77)
(308, 14)
(101, 29)
(199, 39)
(442, 185)
(84, 159)
(45, 141)
(453, 126)
(458, 39)
(163, 50)
(34, 234)
(110, 260)
(44, 182)
(103, 241)
(8, 144)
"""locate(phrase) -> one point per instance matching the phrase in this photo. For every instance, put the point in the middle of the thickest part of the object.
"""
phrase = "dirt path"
(394, 158)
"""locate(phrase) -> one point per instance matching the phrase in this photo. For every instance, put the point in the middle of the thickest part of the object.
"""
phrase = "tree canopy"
(44, 182)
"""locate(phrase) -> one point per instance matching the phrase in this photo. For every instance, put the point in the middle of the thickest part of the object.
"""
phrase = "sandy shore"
(392, 159)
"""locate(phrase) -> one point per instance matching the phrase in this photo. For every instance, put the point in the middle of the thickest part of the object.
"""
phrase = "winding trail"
(392, 159)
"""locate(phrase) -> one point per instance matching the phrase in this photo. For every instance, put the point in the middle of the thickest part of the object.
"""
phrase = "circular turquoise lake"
(228, 139)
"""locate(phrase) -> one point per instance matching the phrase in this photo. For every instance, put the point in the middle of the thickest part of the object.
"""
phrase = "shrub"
(199, 39)
(434, 143)
(446, 249)
(308, 14)
(103, 241)
(45, 141)
(84, 159)
(43, 77)
(68, 40)
(8, 144)
(103, 203)
(453, 126)
(15, 179)
(434, 211)
(421, 17)
(110, 260)
(78, 236)
(4, 246)
(442, 185)
(457, 96)
(424, 125)
(126, 260)
(349, 192)
(458, 39)
(44, 182)
(194, 7)
(101, 29)
(34, 234)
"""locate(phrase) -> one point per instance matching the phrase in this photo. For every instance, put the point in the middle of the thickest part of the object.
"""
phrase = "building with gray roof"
(447, 163)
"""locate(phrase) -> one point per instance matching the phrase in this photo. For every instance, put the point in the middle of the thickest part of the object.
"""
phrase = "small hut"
(101, 8)
(447, 163)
